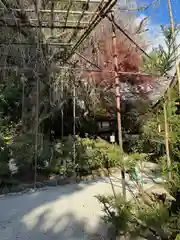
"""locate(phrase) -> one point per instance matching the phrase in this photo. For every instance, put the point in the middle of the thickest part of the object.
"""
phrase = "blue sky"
(159, 14)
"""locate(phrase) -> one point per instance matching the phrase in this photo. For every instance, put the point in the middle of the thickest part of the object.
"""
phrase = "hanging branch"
(127, 35)
(23, 82)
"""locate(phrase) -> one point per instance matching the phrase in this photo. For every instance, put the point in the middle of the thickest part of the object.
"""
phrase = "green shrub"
(178, 237)
(137, 218)
(4, 159)
(133, 158)
(97, 154)
(4, 170)
(90, 154)
(111, 153)
(117, 212)
(23, 151)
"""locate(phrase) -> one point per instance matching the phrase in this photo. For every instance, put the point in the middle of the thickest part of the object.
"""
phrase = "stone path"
(69, 212)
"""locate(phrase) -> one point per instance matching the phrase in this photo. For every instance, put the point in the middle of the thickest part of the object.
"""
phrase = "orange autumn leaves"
(101, 52)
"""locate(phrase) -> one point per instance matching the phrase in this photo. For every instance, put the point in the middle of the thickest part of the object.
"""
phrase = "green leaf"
(178, 237)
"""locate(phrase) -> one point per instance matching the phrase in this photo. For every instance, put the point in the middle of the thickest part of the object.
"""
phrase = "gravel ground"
(69, 212)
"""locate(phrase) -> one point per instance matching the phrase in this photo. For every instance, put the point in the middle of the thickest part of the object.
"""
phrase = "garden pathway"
(69, 212)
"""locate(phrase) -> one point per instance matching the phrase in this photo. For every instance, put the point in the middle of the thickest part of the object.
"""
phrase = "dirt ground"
(69, 212)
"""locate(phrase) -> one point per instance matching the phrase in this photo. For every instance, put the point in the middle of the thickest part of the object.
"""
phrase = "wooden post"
(37, 6)
(62, 118)
(74, 124)
(36, 130)
(62, 108)
(167, 140)
(176, 52)
(118, 104)
(23, 81)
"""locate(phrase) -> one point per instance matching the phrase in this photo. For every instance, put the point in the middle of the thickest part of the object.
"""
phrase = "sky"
(158, 15)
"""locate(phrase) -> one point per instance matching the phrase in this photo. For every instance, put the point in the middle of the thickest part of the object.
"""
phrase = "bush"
(178, 237)
(111, 153)
(23, 151)
(4, 159)
(98, 153)
(117, 212)
(90, 154)
(58, 157)
(134, 158)
(138, 218)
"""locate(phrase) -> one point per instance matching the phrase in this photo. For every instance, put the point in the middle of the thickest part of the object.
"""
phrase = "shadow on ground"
(65, 212)
(69, 212)
(67, 226)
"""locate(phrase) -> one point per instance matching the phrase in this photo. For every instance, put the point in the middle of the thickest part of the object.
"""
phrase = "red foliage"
(129, 60)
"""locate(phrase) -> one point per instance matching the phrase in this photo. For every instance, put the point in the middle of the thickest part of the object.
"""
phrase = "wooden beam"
(28, 10)
(44, 25)
(33, 44)
(43, 22)
(90, 1)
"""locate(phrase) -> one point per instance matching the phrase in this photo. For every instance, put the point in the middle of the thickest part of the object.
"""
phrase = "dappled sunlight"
(89, 140)
(79, 203)
(65, 212)
(31, 219)
(67, 217)
(67, 226)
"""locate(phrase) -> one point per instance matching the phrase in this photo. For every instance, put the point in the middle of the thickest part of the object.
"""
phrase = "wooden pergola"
(58, 26)
(61, 24)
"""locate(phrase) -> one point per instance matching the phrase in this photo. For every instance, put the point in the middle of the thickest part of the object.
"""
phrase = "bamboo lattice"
(62, 24)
